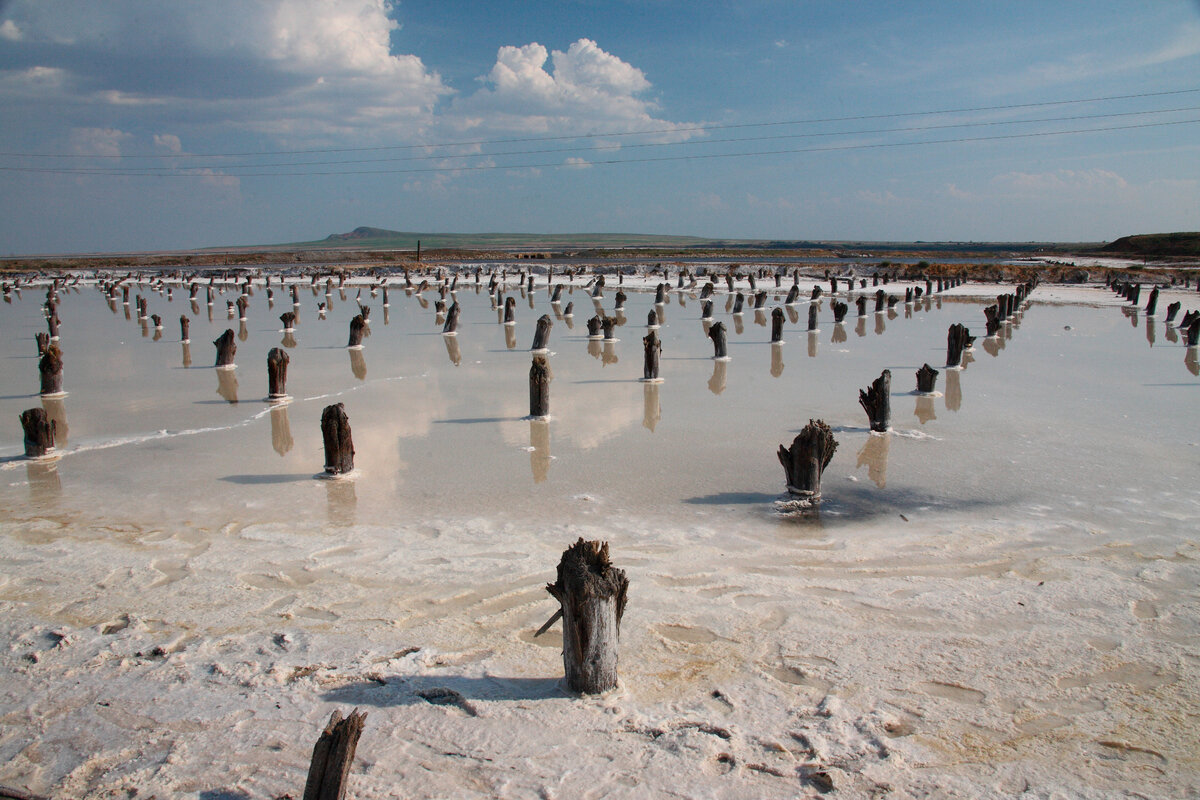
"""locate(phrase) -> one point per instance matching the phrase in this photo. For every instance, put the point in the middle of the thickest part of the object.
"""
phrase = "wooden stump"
(226, 348)
(591, 593)
(812, 317)
(738, 301)
(926, 379)
(1172, 310)
(861, 302)
(277, 364)
(876, 401)
(569, 311)
(357, 326)
(880, 298)
(288, 318)
(333, 756)
(792, 296)
(510, 311)
(706, 310)
(660, 294)
(839, 310)
(339, 446)
(653, 349)
(157, 320)
(1152, 305)
(760, 300)
(39, 432)
(776, 325)
(556, 296)
(707, 291)
(51, 369)
(956, 342)
(717, 334)
(541, 336)
(1193, 333)
(806, 459)
(539, 387)
(992, 313)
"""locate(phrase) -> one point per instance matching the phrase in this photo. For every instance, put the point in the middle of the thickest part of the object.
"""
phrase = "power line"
(647, 132)
(691, 142)
(604, 162)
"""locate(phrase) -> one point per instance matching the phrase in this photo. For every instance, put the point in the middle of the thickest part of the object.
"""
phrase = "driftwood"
(776, 325)
(539, 387)
(876, 401)
(592, 594)
(653, 349)
(39, 432)
(717, 334)
(277, 364)
(812, 317)
(333, 756)
(357, 325)
(51, 369)
(541, 336)
(339, 446)
(226, 348)
(807, 458)
(926, 379)
(956, 342)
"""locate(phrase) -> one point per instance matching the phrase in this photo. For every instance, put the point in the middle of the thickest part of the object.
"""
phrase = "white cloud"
(168, 141)
(10, 31)
(1063, 181)
(97, 141)
(581, 163)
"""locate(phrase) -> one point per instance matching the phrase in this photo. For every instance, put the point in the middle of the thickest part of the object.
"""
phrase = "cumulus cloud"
(1060, 181)
(168, 141)
(97, 141)
(10, 31)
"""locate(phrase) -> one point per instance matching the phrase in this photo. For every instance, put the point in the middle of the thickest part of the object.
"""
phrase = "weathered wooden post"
(739, 300)
(510, 311)
(1152, 305)
(1172, 310)
(450, 328)
(839, 311)
(956, 342)
(591, 593)
(926, 379)
(288, 318)
(39, 432)
(777, 326)
(333, 756)
(242, 305)
(652, 319)
(861, 302)
(277, 364)
(569, 312)
(653, 349)
(992, 313)
(539, 387)
(806, 459)
(43, 341)
(541, 336)
(356, 331)
(339, 445)
(706, 310)
(1193, 333)
(717, 334)
(880, 298)
(707, 291)
(792, 296)
(606, 324)
(833, 284)
(760, 300)
(812, 317)
(876, 401)
(51, 369)
(660, 294)
(184, 332)
(226, 348)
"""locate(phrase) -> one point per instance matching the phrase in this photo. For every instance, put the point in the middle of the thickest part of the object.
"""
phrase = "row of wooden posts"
(1189, 323)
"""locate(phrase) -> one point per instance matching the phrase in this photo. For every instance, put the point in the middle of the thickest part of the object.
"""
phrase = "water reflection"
(716, 384)
(925, 409)
(1150, 330)
(358, 363)
(760, 317)
(953, 390)
(1191, 361)
(56, 412)
(539, 449)
(812, 344)
(45, 487)
(510, 336)
(776, 359)
(874, 454)
(609, 355)
(652, 411)
(860, 327)
(1172, 336)
(992, 345)
(880, 325)
(281, 429)
(341, 502)
(452, 350)
(187, 354)
(289, 340)
(243, 331)
(737, 324)
(792, 314)
(839, 333)
(594, 348)
(227, 384)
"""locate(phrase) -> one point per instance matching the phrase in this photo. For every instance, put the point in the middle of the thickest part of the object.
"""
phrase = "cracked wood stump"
(591, 593)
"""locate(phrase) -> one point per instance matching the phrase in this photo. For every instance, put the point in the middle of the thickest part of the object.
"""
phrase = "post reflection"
(925, 409)
(594, 348)
(243, 331)
(812, 344)
(510, 336)
(1150, 330)
(652, 412)
(1191, 361)
(45, 487)
(874, 454)
(227, 385)
(56, 412)
(539, 449)
(953, 390)
(281, 429)
(880, 325)
(776, 359)
(860, 327)
(358, 364)
(452, 350)
(716, 384)
(341, 502)
(839, 333)
(609, 355)
(187, 354)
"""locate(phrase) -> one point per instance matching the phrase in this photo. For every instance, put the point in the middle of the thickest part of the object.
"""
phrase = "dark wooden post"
(333, 756)
(861, 302)
(541, 336)
(39, 432)
(926, 379)
(707, 291)
(1152, 305)
(876, 401)
(812, 317)
(652, 319)
(706, 310)
(277, 364)
(51, 369)
(43, 341)
(738, 301)
(880, 297)
(365, 311)
(450, 328)
(556, 296)
(1172, 310)
(816, 294)
(569, 311)
(607, 323)
(288, 318)
(242, 304)
(226, 348)
(956, 342)
(992, 313)
(792, 296)
(356, 331)
(539, 386)
(184, 325)
(776, 325)
(339, 446)
(839, 311)
(660, 294)
(806, 459)
(591, 593)
(760, 300)
(1193, 333)
(510, 311)
(653, 349)
(717, 334)
(157, 320)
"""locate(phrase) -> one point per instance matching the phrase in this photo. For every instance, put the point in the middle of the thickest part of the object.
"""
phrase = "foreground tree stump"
(806, 459)
(277, 364)
(926, 379)
(51, 370)
(653, 349)
(339, 446)
(226, 348)
(876, 401)
(717, 334)
(592, 594)
(539, 387)
(39, 432)
(333, 756)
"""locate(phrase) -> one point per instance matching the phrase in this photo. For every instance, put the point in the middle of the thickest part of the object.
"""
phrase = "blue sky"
(129, 125)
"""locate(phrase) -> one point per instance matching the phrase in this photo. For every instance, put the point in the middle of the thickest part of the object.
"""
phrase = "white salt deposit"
(998, 599)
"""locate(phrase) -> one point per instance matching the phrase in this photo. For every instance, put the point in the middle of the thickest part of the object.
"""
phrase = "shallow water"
(1063, 453)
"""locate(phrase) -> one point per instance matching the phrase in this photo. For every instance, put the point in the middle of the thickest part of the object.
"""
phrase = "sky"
(133, 125)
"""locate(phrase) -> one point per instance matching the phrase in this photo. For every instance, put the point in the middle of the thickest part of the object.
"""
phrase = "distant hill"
(1156, 244)
(383, 239)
